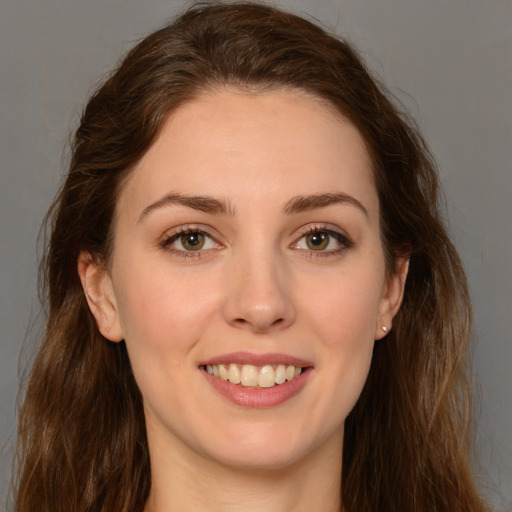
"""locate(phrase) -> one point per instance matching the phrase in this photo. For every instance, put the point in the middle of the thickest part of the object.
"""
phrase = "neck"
(195, 484)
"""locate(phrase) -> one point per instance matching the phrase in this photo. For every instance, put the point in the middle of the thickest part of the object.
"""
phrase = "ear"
(391, 299)
(100, 296)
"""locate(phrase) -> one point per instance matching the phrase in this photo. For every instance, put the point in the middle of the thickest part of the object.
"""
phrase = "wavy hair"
(82, 443)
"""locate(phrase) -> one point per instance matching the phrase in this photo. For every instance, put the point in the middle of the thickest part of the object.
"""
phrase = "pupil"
(318, 241)
(317, 238)
(193, 241)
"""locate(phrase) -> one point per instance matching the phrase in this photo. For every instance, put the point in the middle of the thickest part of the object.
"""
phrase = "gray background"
(449, 62)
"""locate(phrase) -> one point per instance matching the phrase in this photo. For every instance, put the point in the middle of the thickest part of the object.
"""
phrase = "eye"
(318, 241)
(189, 240)
(322, 240)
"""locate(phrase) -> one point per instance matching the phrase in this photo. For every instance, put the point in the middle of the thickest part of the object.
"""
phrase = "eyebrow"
(202, 203)
(304, 203)
(215, 206)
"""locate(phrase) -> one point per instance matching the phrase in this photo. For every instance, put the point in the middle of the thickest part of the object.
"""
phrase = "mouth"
(257, 381)
(250, 376)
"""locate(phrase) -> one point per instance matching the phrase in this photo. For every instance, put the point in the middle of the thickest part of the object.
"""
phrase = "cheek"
(163, 319)
(343, 314)
(162, 313)
(344, 307)
(347, 326)
(340, 313)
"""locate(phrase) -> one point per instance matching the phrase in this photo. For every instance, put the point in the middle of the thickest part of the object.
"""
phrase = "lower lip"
(258, 398)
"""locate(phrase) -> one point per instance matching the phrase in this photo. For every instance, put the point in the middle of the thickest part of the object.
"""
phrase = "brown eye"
(322, 241)
(192, 241)
(317, 241)
(189, 242)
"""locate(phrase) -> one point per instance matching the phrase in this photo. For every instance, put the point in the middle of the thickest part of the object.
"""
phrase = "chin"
(270, 448)
(258, 458)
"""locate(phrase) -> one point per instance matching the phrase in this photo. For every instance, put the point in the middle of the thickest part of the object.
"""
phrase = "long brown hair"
(82, 442)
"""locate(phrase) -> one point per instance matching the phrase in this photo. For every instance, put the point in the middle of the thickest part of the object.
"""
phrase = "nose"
(260, 296)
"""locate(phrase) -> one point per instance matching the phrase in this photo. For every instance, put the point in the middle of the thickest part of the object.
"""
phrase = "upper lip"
(256, 359)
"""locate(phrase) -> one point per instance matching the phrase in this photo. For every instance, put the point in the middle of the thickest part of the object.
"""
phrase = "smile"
(250, 376)
(257, 380)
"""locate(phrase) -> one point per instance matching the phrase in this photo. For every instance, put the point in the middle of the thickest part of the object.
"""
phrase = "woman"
(252, 299)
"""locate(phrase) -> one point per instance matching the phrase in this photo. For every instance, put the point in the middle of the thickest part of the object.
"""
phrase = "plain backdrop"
(448, 61)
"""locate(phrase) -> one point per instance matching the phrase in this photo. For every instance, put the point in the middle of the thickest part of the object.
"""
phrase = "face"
(247, 252)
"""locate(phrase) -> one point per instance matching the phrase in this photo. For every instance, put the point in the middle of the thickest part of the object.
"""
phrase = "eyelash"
(344, 241)
(186, 230)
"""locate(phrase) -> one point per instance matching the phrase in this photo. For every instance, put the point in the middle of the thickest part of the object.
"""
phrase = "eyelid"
(191, 228)
(173, 234)
(313, 227)
(340, 235)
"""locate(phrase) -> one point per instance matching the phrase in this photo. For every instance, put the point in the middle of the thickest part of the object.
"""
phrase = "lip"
(258, 398)
(257, 359)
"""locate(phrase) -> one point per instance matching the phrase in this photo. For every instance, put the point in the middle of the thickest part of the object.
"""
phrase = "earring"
(384, 328)
(107, 330)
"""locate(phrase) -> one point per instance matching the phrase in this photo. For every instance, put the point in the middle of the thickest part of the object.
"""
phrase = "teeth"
(281, 374)
(252, 376)
(249, 375)
(266, 377)
(223, 373)
(233, 374)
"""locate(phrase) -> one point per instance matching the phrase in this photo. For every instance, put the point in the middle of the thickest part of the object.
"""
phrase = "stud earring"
(384, 328)
(107, 330)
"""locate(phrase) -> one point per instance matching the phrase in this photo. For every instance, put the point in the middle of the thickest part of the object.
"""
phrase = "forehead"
(265, 146)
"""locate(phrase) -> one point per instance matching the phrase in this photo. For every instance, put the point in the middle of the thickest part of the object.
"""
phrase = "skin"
(256, 286)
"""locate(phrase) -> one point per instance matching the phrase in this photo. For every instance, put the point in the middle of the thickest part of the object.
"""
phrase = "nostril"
(258, 325)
